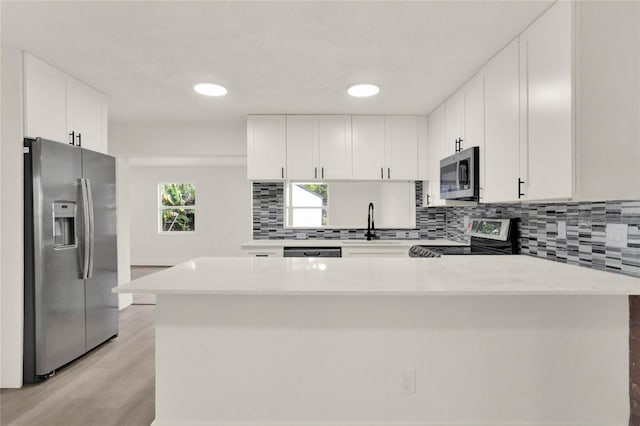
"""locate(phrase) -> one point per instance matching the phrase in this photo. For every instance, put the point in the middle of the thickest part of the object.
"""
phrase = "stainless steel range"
(488, 237)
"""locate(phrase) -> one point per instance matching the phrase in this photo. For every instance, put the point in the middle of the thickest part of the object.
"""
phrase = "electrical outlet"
(301, 236)
(401, 234)
(467, 225)
(408, 382)
(617, 235)
(562, 229)
(414, 235)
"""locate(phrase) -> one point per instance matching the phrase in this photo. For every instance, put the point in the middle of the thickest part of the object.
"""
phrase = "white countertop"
(347, 243)
(447, 275)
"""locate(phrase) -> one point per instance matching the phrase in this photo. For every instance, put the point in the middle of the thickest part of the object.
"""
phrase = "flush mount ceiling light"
(210, 89)
(363, 90)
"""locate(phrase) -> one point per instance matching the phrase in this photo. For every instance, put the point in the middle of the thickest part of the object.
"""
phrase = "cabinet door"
(474, 121)
(436, 152)
(266, 147)
(474, 113)
(501, 145)
(334, 147)
(45, 102)
(401, 147)
(423, 148)
(454, 121)
(301, 146)
(546, 82)
(368, 147)
(85, 116)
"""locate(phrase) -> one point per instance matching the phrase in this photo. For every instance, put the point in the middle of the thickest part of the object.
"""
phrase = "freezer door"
(101, 304)
(55, 310)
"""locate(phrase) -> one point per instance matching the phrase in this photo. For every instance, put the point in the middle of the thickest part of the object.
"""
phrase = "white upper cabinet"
(266, 147)
(547, 160)
(45, 103)
(368, 147)
(423, 149)
(474, 113)
(454, 122)
(62, 109)
(502, 128)
(318, 147)
(437, 150)
(301, 145)
(385, 147)
(401, 147)
(86, 116)
(334, 147)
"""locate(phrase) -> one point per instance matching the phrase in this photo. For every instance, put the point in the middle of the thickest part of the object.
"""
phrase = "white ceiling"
(274, 57)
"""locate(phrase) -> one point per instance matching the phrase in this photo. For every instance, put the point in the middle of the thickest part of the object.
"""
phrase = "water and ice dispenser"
(64, 225)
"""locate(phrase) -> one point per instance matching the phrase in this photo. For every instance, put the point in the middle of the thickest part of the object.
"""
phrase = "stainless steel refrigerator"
(70, 254)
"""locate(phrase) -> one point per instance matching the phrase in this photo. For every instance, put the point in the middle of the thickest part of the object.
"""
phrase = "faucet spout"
(371, 224)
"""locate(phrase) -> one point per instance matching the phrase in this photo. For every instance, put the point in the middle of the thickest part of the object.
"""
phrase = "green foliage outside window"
(178, 207)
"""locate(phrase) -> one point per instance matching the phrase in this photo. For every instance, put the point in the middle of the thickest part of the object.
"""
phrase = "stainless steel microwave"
(460, 175)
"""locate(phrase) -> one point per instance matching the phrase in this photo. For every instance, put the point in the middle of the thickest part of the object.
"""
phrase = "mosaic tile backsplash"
(584, 245)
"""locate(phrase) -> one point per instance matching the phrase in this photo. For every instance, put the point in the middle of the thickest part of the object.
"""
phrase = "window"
(177, 207)
(307, 205)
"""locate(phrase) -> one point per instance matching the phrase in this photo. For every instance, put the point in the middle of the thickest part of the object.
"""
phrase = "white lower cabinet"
(375, 251)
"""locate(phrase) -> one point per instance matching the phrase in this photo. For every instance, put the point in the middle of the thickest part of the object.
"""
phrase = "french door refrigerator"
(70, 254)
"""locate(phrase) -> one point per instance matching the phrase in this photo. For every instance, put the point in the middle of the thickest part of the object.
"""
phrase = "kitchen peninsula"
(471, 340)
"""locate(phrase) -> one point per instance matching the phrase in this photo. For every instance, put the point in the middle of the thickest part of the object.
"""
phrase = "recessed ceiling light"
(210, 89)
(363, 90)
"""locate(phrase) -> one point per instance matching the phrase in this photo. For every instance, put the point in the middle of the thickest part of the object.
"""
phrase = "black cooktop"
(488, 237)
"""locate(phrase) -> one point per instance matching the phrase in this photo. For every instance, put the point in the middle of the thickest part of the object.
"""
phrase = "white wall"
(394, 204)
(123, 221)
(173, 140)
(223, 213)
(11, 220)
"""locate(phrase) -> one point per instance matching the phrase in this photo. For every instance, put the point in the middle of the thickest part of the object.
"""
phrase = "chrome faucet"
(371, 224)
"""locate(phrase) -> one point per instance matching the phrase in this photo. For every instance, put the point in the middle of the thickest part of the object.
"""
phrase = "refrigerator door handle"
(91, 228)
(86, 232)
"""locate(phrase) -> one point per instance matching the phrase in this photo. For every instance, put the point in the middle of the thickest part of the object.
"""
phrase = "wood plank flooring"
(112, 385)
(139, 271)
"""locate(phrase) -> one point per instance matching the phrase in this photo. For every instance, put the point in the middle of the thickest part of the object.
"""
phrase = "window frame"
(289, 208)
(161, 231)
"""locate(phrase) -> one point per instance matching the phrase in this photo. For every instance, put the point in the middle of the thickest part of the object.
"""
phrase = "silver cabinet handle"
(315, 173)
(381, 172)
(322, 172)
(282, 172)
(388, 172)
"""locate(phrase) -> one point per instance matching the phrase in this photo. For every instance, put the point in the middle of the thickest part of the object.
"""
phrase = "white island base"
(297, 360)
(506, 340)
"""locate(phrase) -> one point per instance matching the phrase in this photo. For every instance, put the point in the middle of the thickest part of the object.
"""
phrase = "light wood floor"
(112, 385)
(140, 271)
